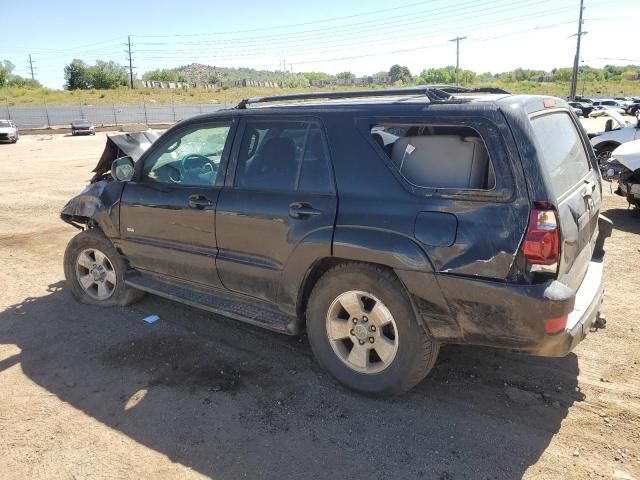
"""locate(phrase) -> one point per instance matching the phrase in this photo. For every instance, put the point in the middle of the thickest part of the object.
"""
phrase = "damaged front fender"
(96, 206)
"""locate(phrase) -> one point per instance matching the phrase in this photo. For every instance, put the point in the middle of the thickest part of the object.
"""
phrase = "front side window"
(437, 156)
(191, 158)
(286, 156)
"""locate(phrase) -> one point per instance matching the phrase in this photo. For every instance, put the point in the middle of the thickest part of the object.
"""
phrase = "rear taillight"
(541, 245)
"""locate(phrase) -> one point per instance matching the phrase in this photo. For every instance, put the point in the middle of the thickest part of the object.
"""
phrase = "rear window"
(437, 156)
(561, 150)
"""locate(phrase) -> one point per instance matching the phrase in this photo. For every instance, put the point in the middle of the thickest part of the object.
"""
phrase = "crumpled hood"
(628, 154)
(131, 144)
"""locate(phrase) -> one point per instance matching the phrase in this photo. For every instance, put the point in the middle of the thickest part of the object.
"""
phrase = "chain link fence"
(62, 115)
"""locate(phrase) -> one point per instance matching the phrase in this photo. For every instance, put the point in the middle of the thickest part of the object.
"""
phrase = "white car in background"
(617, 131)
(604, 105)
(9, 131)
(624, 165)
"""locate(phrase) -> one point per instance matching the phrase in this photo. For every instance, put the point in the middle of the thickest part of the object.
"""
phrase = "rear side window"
(285, 156)
(561, 150)
(437, 156)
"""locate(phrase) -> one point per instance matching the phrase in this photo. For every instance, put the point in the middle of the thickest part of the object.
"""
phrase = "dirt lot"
(97, 393)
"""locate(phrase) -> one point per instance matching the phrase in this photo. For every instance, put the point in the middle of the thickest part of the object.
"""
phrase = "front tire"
(603, 154)
(94, 271)
(362, 329)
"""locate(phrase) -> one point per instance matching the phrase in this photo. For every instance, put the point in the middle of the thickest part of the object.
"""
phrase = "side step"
(228, 304)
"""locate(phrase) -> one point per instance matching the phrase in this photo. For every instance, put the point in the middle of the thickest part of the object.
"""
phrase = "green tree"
(296, 81)
(345, 76)
(6, 67)
(18, 81)
(484, 77)
(399, 73)
(107, 75)
(77, 76)
(316, 76)
(103, 75)
(164, 75)
(445, 75)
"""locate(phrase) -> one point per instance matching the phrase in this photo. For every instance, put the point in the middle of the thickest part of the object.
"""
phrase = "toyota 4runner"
(384, 223)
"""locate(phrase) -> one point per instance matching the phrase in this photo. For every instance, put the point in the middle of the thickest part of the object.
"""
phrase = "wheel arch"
(606, 144)
(322, 266)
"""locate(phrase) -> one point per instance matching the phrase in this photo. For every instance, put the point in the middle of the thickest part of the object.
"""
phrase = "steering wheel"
(173, 174)
(193, 161)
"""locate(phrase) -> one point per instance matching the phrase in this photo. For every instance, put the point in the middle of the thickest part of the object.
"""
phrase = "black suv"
(383, 226)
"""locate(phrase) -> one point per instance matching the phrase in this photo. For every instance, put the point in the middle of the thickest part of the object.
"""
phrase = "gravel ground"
(97, 393)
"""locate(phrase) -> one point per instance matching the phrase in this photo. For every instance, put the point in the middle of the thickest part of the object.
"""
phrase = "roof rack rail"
(433, 94)
(456, 89)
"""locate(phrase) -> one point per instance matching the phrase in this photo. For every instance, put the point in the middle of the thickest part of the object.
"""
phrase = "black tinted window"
(561, 150)
(285, 156)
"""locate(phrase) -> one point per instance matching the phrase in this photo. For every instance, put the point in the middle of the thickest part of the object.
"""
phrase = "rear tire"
(94, 271)
(604, 153)
(376, 346)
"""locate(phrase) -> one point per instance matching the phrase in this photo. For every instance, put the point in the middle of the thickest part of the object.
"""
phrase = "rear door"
(574, 185)
(281, 193)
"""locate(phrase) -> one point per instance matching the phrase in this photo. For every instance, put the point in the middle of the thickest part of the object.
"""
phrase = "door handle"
(303, 209)
(199, 201)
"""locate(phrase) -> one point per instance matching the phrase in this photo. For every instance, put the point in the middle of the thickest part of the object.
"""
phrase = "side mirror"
(122, 169)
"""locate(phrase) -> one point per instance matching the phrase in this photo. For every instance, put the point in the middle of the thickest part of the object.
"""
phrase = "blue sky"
(329, 35)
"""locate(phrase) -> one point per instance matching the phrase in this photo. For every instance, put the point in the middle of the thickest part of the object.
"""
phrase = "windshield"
(4, 123)
(81, 123)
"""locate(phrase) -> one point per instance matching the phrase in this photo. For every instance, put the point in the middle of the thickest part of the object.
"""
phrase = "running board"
(228, 304)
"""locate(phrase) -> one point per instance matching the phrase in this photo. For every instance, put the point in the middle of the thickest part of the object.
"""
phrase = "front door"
(167, 215)
(281, 194)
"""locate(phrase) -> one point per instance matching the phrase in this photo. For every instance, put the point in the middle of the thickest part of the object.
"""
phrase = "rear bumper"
(587, 303)
(512, 316)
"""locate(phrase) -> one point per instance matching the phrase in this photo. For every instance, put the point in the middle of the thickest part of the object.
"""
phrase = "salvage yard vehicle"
(624, 166)
(617, 131)
(384, 223)
(584, 107)
(82, 127)
(9, 132)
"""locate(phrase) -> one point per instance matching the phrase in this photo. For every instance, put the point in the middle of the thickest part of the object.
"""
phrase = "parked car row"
(10, 133)
(594, 107)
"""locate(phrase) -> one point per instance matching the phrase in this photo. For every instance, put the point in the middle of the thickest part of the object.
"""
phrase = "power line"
(280, 27)
(338, 42)
(470, 9)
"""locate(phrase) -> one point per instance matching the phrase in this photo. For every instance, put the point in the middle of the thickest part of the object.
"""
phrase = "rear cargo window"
(437, 156)
(561, 150)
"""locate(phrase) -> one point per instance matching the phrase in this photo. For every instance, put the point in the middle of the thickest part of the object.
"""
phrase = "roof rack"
(433, 94)
(456, 89)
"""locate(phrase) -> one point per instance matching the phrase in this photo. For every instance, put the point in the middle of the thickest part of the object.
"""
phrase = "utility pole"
(457, 40)
(130, 62)
(33, 77)
(576, 60)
